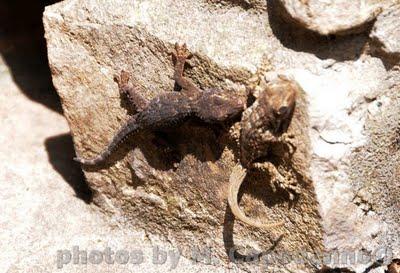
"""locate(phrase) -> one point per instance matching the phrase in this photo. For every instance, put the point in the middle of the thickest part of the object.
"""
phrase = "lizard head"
(219, 106)
(280, 97)
(267, 118)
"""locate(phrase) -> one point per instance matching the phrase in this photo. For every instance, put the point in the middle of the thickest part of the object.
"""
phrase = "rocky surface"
(332, 16)
(386, 31)
(349, 101)
(44, 202)
(181, 195)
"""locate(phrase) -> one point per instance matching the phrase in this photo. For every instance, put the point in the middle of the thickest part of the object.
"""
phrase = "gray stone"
(332, 16)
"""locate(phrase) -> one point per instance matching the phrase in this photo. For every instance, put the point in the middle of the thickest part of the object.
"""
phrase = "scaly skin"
(263, 124)
(172, 108)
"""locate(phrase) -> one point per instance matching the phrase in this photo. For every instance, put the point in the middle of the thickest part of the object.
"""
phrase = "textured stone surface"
(387, 30)
(41, 213)
(183, 196)
(332, 16)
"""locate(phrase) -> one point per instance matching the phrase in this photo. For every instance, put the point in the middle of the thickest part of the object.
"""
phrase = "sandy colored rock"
(332, 16)
(44, 203)
(181, 195)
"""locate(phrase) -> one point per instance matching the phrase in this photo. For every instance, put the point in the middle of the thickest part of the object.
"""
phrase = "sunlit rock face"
(346, 123)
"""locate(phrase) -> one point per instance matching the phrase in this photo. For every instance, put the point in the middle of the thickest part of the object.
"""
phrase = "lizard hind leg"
(130, 91)
(235, 181)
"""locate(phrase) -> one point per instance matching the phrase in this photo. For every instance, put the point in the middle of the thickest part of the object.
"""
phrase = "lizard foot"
(122, 80)
(235, 181)
(181, 52)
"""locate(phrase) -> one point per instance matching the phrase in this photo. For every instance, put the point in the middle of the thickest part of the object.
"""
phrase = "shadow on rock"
(339, 48)
(23, 48)
(256, 188)
(232, 250)
(61, 152)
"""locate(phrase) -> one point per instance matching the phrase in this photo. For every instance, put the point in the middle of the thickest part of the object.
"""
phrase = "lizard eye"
(283, 110)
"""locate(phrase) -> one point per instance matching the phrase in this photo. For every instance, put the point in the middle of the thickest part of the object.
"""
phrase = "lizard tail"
(129, 128)
(235, 181)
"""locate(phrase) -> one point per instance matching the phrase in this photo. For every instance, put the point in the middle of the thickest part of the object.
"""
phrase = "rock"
(344, 123)
(386, 30)
(332, 16)
(180, 194)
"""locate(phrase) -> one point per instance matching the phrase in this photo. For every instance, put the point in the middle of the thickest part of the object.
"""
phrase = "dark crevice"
(326, 269)
(23, 47)
(338, 47)
(376, 264)
(247, 5)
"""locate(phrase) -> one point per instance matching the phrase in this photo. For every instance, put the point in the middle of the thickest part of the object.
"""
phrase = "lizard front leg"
(130, 91)
(181, 54)
(285, 139)
(276, 177)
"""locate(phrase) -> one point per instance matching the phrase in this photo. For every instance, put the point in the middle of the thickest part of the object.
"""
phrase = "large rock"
(349, 97)
(332, 16)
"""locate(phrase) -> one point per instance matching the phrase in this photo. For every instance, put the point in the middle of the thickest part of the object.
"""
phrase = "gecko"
(263, 124)
(212, 106)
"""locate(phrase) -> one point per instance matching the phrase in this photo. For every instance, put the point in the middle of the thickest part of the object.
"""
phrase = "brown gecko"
(263, 124)
(172, 108)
